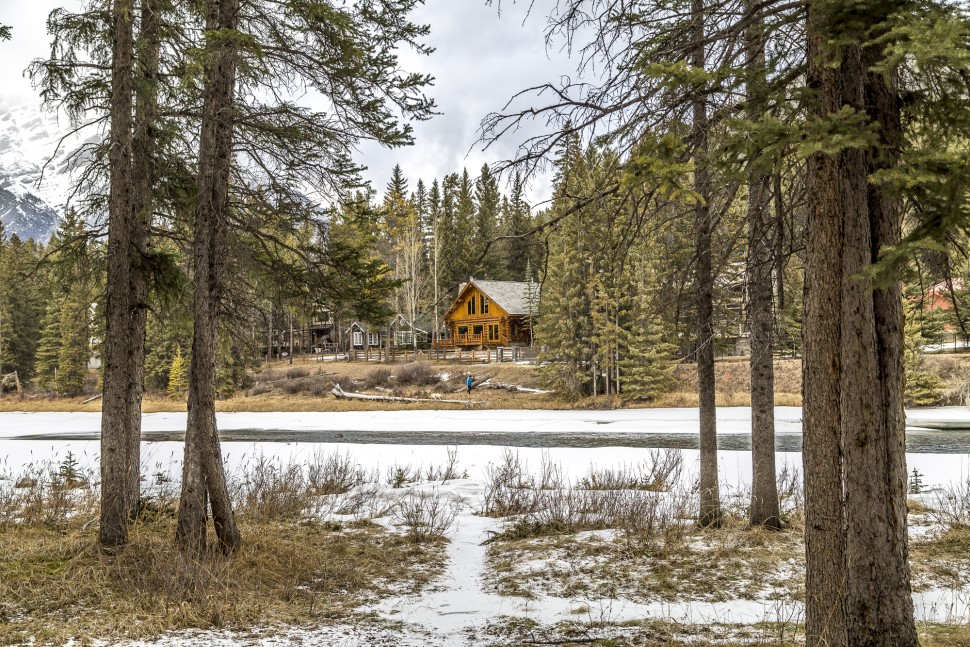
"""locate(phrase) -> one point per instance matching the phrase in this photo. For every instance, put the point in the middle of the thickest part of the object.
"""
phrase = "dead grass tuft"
(55, 585)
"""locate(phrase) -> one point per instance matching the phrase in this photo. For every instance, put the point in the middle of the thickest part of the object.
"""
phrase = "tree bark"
(148, 51)
(710, 500)
(857, 585)
(764, 488)
(203, 472)
(119, 474)
(822, 365)
(878, 596)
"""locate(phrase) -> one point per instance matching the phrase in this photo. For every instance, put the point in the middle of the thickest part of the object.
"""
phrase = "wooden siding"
(458, 317)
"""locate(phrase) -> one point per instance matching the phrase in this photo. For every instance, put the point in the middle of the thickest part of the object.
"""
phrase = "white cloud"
(482, 58)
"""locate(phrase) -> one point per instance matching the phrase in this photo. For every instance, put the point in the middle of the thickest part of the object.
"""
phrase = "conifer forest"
(498, 323)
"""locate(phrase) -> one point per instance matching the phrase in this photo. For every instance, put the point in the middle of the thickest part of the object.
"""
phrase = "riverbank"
(307, 387)
(376, 545)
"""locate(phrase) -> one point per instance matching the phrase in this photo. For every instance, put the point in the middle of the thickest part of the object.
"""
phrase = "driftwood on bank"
(10, 382)
(340, 393)
(515, 388)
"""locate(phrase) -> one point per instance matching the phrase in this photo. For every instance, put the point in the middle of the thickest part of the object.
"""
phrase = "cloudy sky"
(482, 57)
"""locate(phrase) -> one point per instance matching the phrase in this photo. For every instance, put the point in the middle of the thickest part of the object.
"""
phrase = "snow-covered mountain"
(32, 197)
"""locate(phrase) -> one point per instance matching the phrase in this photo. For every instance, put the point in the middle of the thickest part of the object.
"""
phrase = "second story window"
(471, 305)
(484, 304)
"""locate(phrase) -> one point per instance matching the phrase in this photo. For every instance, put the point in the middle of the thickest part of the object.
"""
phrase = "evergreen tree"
(487, 203)
(21, 311)
(520, 252)
(178, 374)
(48, 349)
(72, 358)
(922, 388)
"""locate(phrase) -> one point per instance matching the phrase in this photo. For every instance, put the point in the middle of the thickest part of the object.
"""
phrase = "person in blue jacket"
(468, 383)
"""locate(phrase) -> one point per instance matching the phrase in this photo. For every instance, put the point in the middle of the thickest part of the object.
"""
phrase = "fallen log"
(515, 388)
(340, 393)
(97, 397)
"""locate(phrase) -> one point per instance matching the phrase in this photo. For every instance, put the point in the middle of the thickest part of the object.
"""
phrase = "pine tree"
(647, 355)
(178, 374)
(517, 221)
(922, 387)
(487, 203)
(48, 349)
(565, 327)
(20, 306)
(72, 358)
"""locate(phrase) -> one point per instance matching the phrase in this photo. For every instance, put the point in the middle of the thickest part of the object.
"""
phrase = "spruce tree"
(519, 250)
(178, 375)
(487, 203)
(48, 349)
(72, 358)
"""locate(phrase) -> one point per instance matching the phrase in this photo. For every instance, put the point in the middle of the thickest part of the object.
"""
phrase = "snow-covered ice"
(454, 609)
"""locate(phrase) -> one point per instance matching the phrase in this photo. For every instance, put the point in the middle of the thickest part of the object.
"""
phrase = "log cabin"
(490, 314)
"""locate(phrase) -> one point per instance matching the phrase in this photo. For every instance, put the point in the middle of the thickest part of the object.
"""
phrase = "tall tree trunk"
(825, 577)
(148, 49)
(203, 471)
(119, 475)
(710, 500)
(764, 489)
(879, 599)
(858, 576)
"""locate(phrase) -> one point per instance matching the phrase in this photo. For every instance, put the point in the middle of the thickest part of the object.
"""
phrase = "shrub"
(378, 377)
(426, 515)
(417, 374)
(333, 474)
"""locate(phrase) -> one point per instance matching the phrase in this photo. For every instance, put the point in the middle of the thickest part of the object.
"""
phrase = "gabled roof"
(511, 296)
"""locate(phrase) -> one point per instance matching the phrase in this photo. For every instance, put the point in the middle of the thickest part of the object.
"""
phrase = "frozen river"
(575, 439)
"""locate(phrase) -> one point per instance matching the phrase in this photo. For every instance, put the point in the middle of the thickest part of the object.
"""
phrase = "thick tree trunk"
(710, 500)
(119, 442)
(825, 577)
(878, 596)
(203, 471)
(867, 590)
(764, 489)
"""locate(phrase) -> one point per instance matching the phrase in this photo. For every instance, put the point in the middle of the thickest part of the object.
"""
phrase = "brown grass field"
(306, 386)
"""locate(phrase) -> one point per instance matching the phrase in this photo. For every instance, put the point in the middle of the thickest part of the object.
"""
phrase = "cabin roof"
(511, 296)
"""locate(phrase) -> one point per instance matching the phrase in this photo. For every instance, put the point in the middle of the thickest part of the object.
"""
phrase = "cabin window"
(462, 330)
(358, 338)
(372, 339)
(477, 330)
(484, 304)
(471, 305)
(493, 332)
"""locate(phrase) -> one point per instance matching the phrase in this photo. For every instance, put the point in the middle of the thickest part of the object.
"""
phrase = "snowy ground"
(463, 607)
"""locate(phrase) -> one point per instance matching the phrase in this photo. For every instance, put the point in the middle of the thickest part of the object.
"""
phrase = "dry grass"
(732, 563)
(306, 387)
(590, 628)
(781, 628)
(310, 552)
(55, 584)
